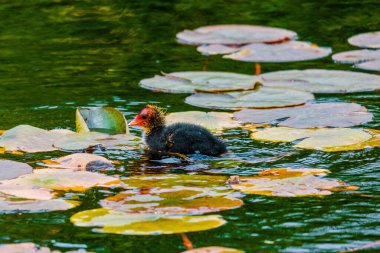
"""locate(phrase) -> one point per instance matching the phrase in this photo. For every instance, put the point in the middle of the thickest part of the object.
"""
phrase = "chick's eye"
(144, 116)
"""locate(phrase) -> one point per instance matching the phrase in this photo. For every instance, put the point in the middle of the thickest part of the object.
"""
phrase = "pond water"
(59, 55)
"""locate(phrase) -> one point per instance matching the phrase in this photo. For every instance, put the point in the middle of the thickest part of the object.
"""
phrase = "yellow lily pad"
(374, 141)
(285, 182)
(114, 222)
(326, 139)
(79, 161)
(213, 249)
(101, 119)
(213, 121)
(264, 97)
(11, 169)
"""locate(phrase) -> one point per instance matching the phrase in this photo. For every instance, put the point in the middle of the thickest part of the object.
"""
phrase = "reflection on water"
(59, 55)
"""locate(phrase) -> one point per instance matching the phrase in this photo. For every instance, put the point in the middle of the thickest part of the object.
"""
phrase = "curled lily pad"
(213, 249)
(309, 115)
(285, 182)
(264, 97)
(39, 184)
(326, 139)
(211, 120)
(30, 139)
(368, 40)
(28, 247)
(81, 141)
(101, 119)
(11, 169)
(114, 222)
(234, 34)
(322, 80)
(364, 59)
(190, 81)
(281, 52)
(79, 161)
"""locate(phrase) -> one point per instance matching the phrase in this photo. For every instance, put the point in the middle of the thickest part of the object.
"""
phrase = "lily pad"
(264, 97)
(213, 121)
(213, 249)
(28, 247)
(39, 184)
(190, 81)
(309, 115)
(326, 139)
(101, 119)
(364, 59)
(367, 40)
(79, 161)
(30, 139)
(143, 224)
(11, 169)
(374, 141)
(322, 80)
(81, 141)
(35, 206)
(234, 34)
(214, 49)
(285, 182)
(281, 52)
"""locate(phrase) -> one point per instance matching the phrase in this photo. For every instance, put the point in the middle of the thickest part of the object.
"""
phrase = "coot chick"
(180, 138)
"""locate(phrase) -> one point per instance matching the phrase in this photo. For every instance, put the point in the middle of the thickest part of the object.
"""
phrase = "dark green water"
(58, 55)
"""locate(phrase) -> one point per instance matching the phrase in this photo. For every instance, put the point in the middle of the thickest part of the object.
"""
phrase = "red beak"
(137, 121)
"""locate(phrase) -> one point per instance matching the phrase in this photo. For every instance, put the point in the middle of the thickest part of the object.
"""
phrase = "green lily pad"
(234, 34)
(367, 40)
(309, 115)
(264, 97)
(114, 222)
(364, 59)
(190, 81)
(279, 52)
(213, 121)
(79, 161)
(285, 182)
(322, 80)
(213, 249)
(326, 139)
(28, 247)
(11, 169)
(101, 119)
(41, 182)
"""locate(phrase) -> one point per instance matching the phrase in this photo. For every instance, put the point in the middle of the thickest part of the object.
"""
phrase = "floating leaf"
(101, 119)
(309, 115)
(216, 49)
(364, 59)
(30, 139)
(213, 249)
(188, 82)
(264, 97)
(11, 169)
(35, 206)
(322, 81)
(28, 247)
(234, 34)
(37, 184)
(281, 52)
(81, 141)
(79, 161)
(288, 183)
(143, 224)
(368, 40)
(326, 139)
(211, 120)
(373, 142)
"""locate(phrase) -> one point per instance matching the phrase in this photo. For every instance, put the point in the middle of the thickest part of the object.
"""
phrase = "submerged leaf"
(213, 121)
(264, 97)
(189, 81)
(114, 222)
(101, 119)
(213, 249)
(365, 59)
(234, 34)
(11, 169)
(368, 40)
(322, 81)
(78, 161)
(326, 139)
(309, 115)
(279, 52)
(289, 183)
